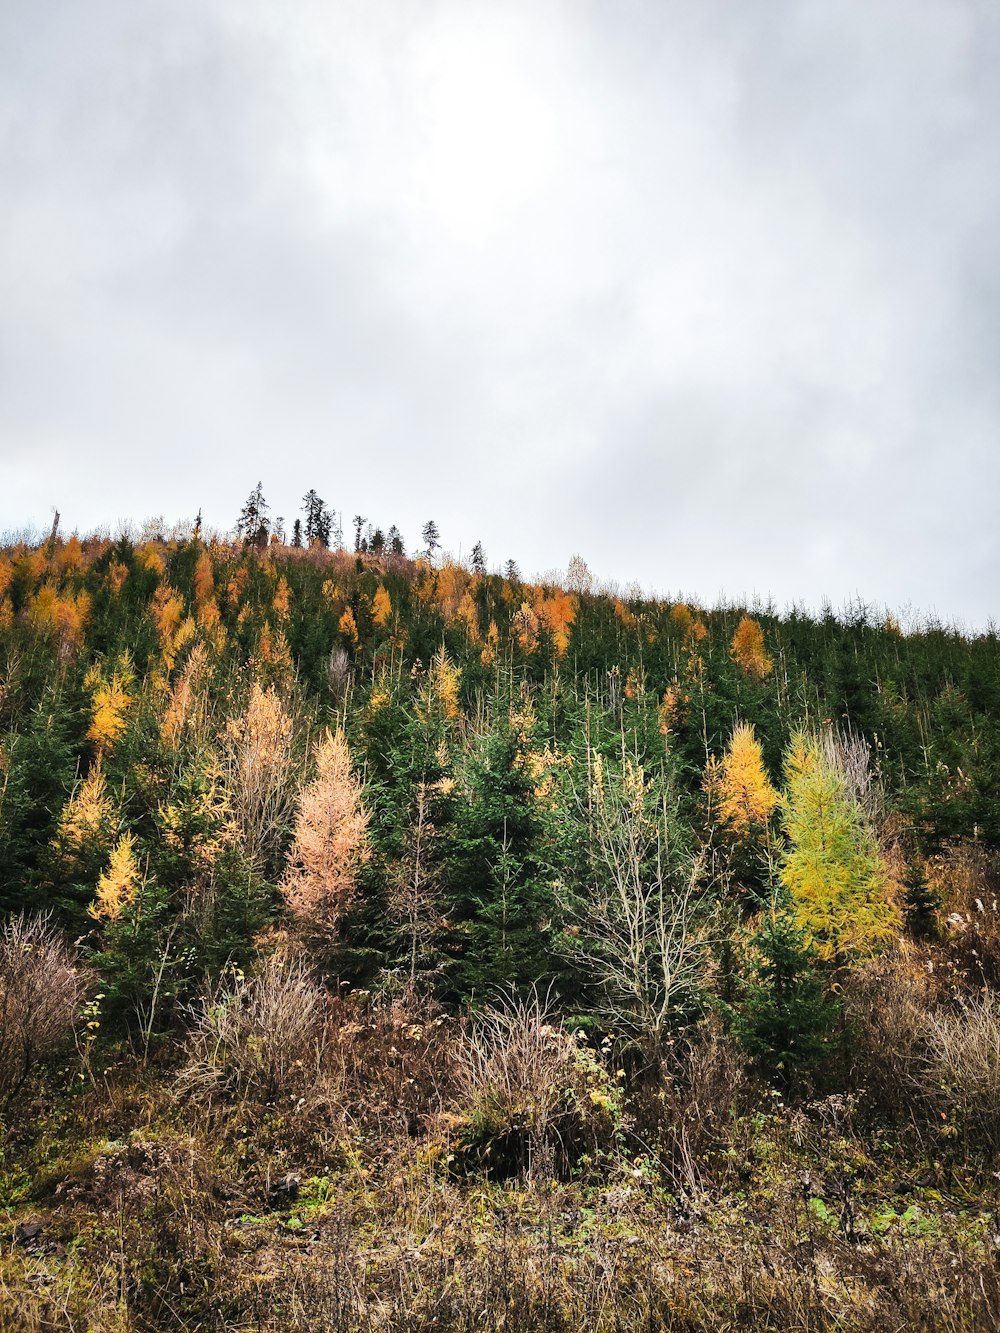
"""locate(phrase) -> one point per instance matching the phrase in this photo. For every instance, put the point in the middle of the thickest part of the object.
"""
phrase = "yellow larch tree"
(842, 893)
(185, 716)
(745, 796)
(88, 813)
(331, 843)
(439, 696)
(557, 614)
(119, 884)
(204, 580)
(748, 650)
(489, 651)
(259, 764)
(111, 700)
(382, 606)
(348, 626)
(282, 599)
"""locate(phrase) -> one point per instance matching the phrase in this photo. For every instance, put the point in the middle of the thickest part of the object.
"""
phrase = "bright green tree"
(842, 896)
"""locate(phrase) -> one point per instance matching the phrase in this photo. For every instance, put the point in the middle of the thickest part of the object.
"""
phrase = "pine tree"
(478, 559)
(252, 525)
(394, 539)
(431, 536)
(297, 534)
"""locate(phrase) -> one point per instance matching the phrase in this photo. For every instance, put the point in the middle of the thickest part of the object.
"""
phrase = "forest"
(390, 941)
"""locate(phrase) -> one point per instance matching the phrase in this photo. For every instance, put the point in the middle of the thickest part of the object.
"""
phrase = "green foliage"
(473, 704)
(838, 884)
(785, 1014)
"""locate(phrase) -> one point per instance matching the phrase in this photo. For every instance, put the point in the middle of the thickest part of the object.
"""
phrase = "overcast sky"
(707, 292)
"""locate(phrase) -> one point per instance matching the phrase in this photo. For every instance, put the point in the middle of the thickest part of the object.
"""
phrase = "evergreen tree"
(252, 525)
(432, 538)
(394, 539)
(319, 520)
(499, 892)
(478, 559)
(785, 1016)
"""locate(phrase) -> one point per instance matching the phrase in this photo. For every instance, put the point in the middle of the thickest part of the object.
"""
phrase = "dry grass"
(263, 1037)
(533, 1094)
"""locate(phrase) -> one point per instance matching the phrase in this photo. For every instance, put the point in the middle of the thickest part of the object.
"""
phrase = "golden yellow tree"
(439, 695)
(204, 580)
(331, 842)
(348, 626)
(111, 701)
(119, 884)
(87, 814)
(185, 716)
(382, 606)
(748, 650)
(745, 798)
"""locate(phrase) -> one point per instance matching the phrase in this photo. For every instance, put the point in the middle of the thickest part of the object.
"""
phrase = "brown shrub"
(966, 881)
(961, 1066)
(688, 1105)
(886, 1006)
(41, 993)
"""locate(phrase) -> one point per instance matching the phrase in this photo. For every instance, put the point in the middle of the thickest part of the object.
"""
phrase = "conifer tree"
(748, 650)
(252, 524)
(478, 559)
(432, 538)
(394, 539)
(840, 891)
(318, 520)
(745, 797)
(785, 1013)
(330, 843)
(499, 894)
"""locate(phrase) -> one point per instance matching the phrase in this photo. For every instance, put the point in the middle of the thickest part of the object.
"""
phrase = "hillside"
(393, 943)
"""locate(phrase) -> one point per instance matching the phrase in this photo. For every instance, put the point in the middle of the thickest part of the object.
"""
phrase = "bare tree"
(643, 925)
(413, 894)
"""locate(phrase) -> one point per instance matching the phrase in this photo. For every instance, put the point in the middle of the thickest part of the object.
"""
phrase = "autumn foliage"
(330, 844)
(748, 649)
(745, 798)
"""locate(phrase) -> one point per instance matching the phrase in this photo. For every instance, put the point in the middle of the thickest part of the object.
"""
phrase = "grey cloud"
(706, 292)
